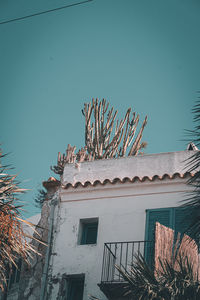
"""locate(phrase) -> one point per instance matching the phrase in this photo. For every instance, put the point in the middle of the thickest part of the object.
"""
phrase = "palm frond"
(13, 243)
(175, 279)
(193, 165)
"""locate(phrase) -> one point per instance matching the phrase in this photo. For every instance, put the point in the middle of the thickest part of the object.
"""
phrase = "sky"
(143, 54)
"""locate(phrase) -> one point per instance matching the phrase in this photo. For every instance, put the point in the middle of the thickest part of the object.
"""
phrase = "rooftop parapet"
(141, 166)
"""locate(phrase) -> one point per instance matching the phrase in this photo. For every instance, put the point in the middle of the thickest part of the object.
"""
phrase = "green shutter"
(182, 220)
(163, 216)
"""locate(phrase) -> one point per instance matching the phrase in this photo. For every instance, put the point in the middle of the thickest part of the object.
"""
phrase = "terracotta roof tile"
(127, 179)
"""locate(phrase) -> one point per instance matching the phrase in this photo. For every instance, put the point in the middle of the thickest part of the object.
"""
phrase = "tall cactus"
(105, 136)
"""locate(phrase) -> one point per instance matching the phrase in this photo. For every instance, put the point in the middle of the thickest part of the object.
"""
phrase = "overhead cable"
(44, 12)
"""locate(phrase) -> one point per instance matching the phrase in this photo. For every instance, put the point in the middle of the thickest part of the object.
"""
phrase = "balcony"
(121, 254)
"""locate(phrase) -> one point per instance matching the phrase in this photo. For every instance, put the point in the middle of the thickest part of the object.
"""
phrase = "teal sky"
(143, 54)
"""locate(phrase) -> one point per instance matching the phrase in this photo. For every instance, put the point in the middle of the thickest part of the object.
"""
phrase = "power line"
(44, 12)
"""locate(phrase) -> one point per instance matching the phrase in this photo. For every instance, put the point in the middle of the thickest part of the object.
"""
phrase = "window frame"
(84, 226)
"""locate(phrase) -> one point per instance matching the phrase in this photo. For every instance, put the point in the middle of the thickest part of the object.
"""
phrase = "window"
(88, 229)
(75, 287)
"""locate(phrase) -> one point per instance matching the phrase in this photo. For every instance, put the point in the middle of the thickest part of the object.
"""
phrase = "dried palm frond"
(13, 243)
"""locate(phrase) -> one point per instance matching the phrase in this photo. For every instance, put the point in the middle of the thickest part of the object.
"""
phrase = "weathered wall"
(29, 287)
(30, 281)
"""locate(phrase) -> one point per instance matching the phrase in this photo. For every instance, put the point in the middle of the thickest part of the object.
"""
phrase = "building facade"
(105, 212)
(100, 214)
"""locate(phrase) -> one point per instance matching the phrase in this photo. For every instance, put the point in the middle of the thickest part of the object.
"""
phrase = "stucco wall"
(121, 212)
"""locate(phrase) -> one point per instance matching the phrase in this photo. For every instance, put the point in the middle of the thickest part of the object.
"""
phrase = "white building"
(113, 201)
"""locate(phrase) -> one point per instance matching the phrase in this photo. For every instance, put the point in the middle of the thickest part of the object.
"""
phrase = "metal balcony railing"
(123, 255)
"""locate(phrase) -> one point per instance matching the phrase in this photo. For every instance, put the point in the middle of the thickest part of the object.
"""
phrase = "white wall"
(121, 211)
